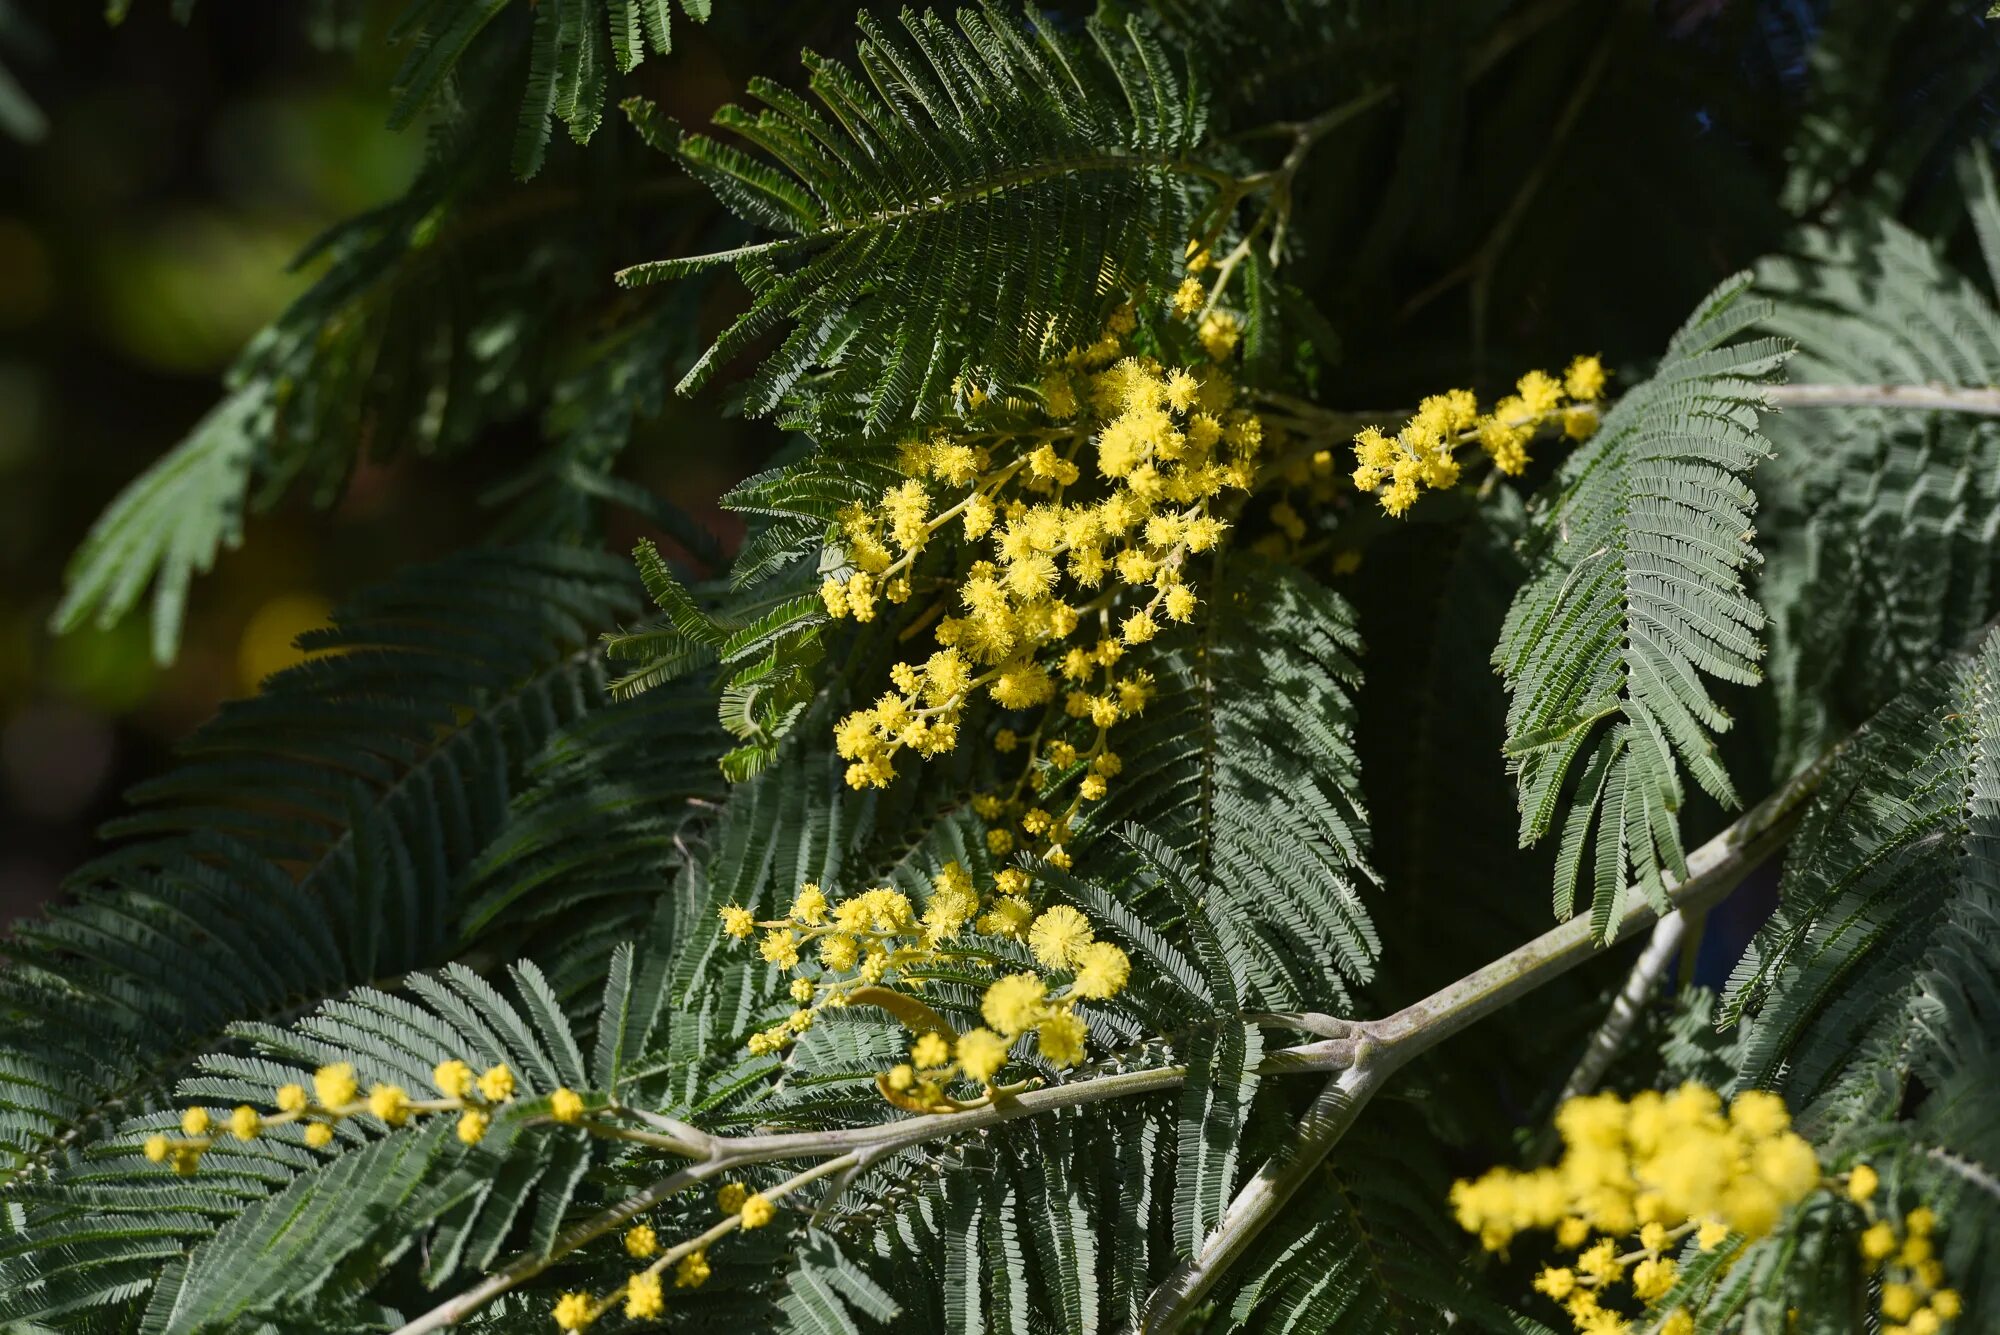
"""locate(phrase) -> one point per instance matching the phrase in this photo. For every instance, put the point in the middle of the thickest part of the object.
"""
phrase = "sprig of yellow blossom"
(1661, 1167)
(336, 1094)
(1072, 510)
(875, 948)
(643, 1293)
(1914, 1299)
(1425, 451)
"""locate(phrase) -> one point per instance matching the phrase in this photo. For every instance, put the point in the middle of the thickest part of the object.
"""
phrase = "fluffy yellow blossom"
(981, 1053)
(757, 1211)
(497, 1085)
(738, 922)
(574, 1311)
(1101, 971)
(1669, 1165)
(1059, 935)
(1584, 380)
(1862, 1182)
(391, 1103)
(932, 1049)
(292, 1098)
(472, 1126)
(692, 1270)
(730, 1196)
(1014, 1003)
(642, 1242)
(319, 1135)
(1060, 1038)
(195, 1122)
(566, 1106)
(1189, 297)
(643, 1298)
(1423, 453)
(335, 1086)
(453, 1079)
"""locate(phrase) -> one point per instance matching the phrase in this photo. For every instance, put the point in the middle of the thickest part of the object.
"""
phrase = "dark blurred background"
(155, 181)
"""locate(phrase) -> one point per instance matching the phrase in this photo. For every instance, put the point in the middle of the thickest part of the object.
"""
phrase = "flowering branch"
(1362, 1054)
(1714, 869)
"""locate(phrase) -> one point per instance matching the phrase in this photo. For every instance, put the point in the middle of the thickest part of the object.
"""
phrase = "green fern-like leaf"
(1635, 596)
(1890, 898)
(1245, 768)
(312, 840)
(169, 524)
(1886, 520)
(917, 201)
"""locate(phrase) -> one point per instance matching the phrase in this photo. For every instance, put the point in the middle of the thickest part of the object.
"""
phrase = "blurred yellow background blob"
(268, 643)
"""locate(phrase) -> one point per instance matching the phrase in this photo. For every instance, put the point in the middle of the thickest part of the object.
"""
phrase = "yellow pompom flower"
(981, 1053)
(729, 1199)
(931, 1050)
(497, 1085)
(335, 1086)
(1878, 1242)
(453, 1079)
(1584, 379)
(574, 1311)
(1101, 971)
(319, 1135)
(1060, 1037)
(195, 1122)
(692, 1270)
(157, 1148)
(1014, 1003)
(1059, 935)
(566, 1106)
(472, 1125)
(641, 1242)
(390, 1103)
(292, 1098)
(643, 1297)
(1898, 1301)
(738, 922)
(757, 1211)
(245, 1122)
(1862, 1182)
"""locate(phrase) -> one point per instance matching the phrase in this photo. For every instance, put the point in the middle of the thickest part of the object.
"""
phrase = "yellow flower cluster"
(1662, 1166)
(644, 1292)
(1071, 510)
(1666, 1166)
(1424, 452)
(875, 948)
(336, 1094)
(1914, 1298)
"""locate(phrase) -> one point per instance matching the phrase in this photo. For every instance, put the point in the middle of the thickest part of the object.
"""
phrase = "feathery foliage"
(1885, 542)
(930, 165)
(311, 840)
(956, 907)
(1634, 596)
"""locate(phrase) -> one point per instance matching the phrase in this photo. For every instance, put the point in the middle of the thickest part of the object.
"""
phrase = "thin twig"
(1934, 397)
